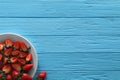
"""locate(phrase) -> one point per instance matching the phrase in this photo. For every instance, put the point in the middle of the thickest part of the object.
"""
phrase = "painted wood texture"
(57, 9)
(75, 40)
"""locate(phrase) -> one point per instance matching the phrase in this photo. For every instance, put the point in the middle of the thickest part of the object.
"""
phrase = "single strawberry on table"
(41, 76)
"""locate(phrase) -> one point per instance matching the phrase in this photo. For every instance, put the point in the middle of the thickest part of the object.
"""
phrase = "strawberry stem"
(4, 76)
(9, 61)
(39, 78)
(2, 52)
(28, 62)
(28, 49)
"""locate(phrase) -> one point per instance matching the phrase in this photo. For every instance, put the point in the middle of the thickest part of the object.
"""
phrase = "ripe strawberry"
(29, 57)
(13, 59)
(27, 67)
(23, 46)
(22, 55)
(22, 61)
(42, 75)
(7, 52)
(15, 74)
(16, 66)
(15, 52)
(16, 45)
(26, 76)
(1, 75)
(8, 42)
(1, 66)
(5, 60)
(1, 57)
(8, 77)
(1, 46)
(6, 68)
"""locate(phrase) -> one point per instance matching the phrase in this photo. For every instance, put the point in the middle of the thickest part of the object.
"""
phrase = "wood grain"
(76, 43)
(80, 1)
(61, 26)
(82, 75)
(73, 46)
(84, 61)
(75, 40)
(61, 9)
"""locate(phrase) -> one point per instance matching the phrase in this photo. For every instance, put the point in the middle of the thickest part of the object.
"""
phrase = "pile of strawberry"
(15, 60)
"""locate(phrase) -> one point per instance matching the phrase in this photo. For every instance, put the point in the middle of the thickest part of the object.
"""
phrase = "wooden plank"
(82, 75)
(71, 1)
(61, 26)
(76, 43)
(84, 61)
(58, 9)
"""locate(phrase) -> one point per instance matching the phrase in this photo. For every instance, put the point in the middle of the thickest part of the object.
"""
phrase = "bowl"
(14, 37)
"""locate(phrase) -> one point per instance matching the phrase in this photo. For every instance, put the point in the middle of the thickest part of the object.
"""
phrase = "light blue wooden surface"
(75, 40)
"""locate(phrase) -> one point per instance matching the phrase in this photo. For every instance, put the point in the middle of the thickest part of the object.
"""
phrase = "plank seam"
(75, 52)
(77, 70)
(59, 17)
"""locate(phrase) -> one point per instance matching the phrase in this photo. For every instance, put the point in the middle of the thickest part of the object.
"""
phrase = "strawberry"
(22, 55)
(1, 75)
(16, 45)
(7, 52)
(6, 68)
(1, 57)
(26, 76)
(15, 74)
(13, 59)
(23, 46)
(22, 61)
(27, 67)
(15, 52)
(16, 66)
(42, 75)
(8, 77)
(1, 66)
(1, 46)
(29, 57)
(8, 42)
(5, 60)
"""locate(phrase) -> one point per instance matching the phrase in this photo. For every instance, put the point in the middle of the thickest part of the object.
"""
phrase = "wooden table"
(75, 40)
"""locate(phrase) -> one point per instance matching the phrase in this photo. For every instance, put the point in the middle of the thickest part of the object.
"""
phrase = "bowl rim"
(9, 33)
